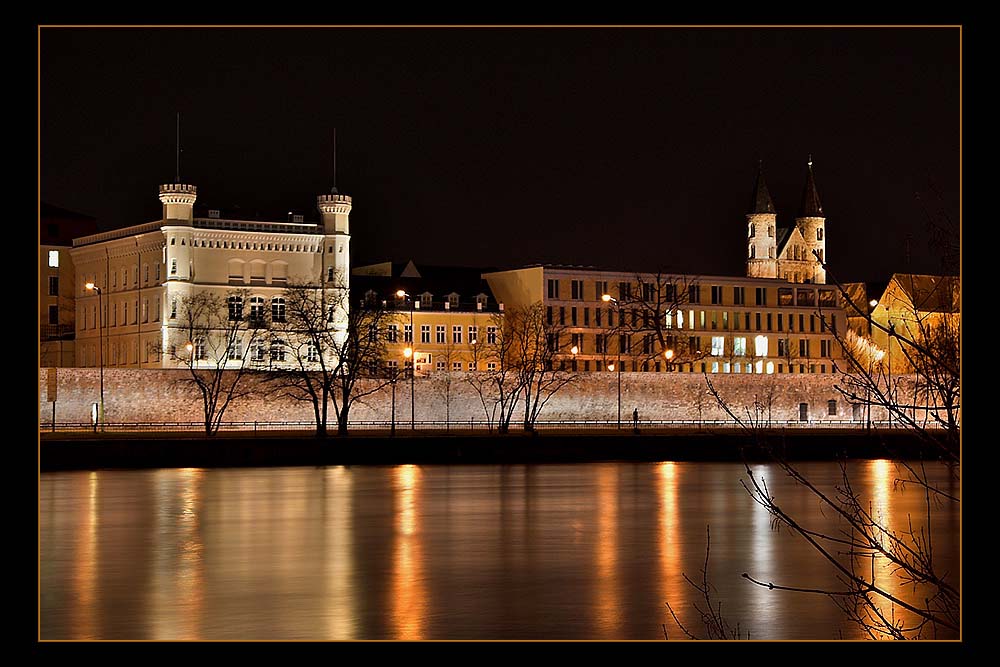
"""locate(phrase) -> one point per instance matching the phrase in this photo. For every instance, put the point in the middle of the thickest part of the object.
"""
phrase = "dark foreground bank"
(84, 452)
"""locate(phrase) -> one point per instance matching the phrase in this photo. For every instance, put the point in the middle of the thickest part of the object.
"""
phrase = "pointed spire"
(761, 202)
(810, 207)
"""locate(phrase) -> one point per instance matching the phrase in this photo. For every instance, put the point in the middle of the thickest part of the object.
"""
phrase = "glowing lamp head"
(189, 346)
(611, 367)
(574, 349)
(669, 354)
(400, 294)
(605, 298)
(408, 352)
(90, 286)
(873, 303)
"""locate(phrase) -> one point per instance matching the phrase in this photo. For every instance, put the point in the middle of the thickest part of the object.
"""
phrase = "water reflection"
(408, 596)
(585, 551)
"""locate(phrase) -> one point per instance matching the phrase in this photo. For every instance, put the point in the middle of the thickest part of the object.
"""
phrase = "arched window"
(200, 351)
(819, 233)
(751, 229)
(278, 309)
(312, 353)
(752, 251)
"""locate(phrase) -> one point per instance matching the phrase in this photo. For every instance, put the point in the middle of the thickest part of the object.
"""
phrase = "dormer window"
(425, 300)
(297, 218)
(213, 213)
(481, 301)
(453, 300)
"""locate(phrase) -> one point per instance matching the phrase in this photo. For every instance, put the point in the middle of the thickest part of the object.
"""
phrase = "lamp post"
(410, 354)
(100, 351)
(618, 364)
(668, 355)
(392, 426)
(574, 351)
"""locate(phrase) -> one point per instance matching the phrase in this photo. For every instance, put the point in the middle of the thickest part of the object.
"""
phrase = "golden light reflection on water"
(178, 577)
(338, 559)
(606, 605)
(408, 594)
(85, 556)
(668, 536)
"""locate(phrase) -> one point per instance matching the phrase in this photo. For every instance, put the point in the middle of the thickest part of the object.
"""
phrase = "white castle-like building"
(786, 253)
(143, 272)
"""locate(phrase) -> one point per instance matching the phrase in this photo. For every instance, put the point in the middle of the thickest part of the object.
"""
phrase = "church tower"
(812, 223)
(761, 241)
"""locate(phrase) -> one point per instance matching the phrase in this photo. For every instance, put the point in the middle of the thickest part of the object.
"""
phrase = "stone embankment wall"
(156, 396)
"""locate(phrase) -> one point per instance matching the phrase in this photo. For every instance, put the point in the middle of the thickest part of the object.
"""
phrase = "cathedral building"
(788, 253)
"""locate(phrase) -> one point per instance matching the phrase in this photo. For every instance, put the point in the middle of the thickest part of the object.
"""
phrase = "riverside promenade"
(165, 449)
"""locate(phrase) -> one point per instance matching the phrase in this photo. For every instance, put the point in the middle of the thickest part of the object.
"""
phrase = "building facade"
(712, 324)
(56, 284)
(143, 274)
(443, 314)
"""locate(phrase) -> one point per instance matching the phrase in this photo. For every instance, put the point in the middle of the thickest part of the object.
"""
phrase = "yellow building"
(714, 324)
(142, 273)
(453, 310)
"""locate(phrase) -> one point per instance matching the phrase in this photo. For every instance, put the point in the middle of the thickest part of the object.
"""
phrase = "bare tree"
(537, 344)
(328, 363)
(212, 337)
(655, 318)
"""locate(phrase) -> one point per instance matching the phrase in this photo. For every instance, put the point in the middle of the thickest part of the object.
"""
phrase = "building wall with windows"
(56, 308)
(720, 324)
(453, 311)
(145, 271)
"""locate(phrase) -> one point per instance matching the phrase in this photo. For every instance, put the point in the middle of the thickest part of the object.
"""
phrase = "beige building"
(453, 310)
(144, 272)
(713, 324)
(919, 308)
(786, 253)
(56, 284)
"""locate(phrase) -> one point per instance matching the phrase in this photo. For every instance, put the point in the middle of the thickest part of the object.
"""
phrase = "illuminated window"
(54, 259)
(749, 367)
(715, 366)
(752, 229)
(760, 346)
(668, 320)
(759, 368)
(737, 368)
(739, 346)
(725, 366)
(718, 346)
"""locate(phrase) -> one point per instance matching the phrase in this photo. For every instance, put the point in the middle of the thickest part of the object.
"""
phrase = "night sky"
(620, 148)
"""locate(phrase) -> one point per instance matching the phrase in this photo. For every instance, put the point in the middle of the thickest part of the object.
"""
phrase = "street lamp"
(409, 354)
(100, 351)
(606, 298)
(668, 354)
(574, 351)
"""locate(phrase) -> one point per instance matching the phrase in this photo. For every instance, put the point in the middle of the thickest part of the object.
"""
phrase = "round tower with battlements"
(178, 201)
